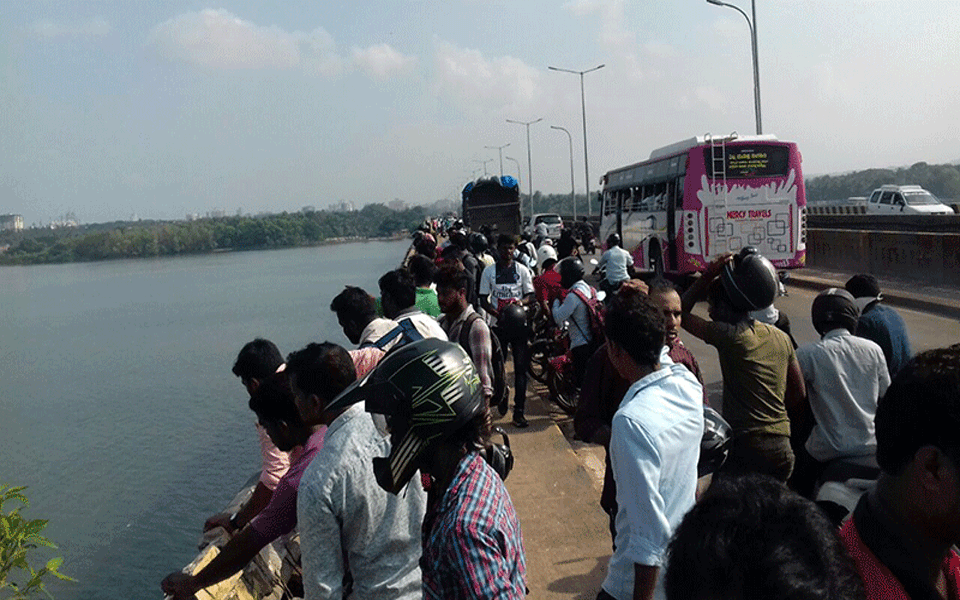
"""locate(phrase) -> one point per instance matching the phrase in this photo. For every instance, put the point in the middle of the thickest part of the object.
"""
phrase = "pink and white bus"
(701, 197)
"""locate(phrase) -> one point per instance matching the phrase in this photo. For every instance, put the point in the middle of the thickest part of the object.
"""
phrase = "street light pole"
(516, 162)
(484, 162)
(500, 150)
(527, 124)
(573, 190)
(752, 24)
(583, 109)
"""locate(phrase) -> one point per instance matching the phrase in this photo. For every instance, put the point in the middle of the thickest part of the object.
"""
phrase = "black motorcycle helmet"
(571, 271)
(478, 243)
(613, 240)
(512, 322)
(425, 391)
(715, 443)
(750, 281)
(834, 308)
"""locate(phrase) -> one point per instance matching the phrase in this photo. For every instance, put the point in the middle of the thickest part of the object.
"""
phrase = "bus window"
(875, 197)
(898, 200)
(886, 198)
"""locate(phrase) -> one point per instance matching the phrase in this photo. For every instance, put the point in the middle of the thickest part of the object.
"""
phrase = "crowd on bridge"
(829, 470)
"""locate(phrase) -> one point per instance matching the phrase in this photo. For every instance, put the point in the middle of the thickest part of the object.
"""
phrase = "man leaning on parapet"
(256, 361)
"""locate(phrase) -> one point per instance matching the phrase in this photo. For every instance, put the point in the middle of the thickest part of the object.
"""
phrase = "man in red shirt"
(902, 531)
(547, 285)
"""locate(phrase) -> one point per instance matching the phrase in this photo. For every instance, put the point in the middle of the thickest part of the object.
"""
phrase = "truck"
(492, 202)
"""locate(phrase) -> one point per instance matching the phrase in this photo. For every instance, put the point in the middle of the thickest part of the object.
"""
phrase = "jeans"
(520, 348)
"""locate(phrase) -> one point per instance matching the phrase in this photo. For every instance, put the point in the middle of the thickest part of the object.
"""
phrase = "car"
(552, 220)
(905, 199)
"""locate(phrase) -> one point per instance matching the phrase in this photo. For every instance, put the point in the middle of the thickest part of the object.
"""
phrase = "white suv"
(552, 220)
(905, 199)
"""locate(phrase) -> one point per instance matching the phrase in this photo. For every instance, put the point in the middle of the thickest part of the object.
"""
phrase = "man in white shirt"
(509, 282)
(845, 375)
(398, 294)
(348, 523)
(654, 446)
(574, 309)
(616, 261)
(357, 313)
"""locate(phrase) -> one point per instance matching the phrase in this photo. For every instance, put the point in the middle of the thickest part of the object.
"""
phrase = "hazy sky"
(160, 108)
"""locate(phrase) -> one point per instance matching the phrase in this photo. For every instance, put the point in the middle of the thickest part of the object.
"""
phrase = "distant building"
(11, 222)
(342, 206)
(397, 205)
(193, 216)
(217, 213)
(308, 209)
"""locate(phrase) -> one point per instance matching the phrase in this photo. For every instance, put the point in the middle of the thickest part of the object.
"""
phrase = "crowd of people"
(379, 455)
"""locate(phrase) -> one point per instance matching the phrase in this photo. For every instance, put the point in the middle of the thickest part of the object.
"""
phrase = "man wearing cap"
(879, 322)
(761, 375)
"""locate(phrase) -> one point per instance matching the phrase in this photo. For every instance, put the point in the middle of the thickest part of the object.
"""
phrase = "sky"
(113, 109)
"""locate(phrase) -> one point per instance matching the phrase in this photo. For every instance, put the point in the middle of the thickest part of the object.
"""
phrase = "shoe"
(519, 421)
(503, 405)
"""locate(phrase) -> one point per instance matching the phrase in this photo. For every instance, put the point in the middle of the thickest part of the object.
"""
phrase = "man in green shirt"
(761, 375)
(423, 270)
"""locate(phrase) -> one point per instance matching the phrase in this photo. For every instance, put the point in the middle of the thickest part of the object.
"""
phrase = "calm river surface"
(118, 408)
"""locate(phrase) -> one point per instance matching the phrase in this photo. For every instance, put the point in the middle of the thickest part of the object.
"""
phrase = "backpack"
(404, 328)
(596, 312)
(497, 360)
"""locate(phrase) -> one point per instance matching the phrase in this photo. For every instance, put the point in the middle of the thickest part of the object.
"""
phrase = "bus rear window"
(743, 162)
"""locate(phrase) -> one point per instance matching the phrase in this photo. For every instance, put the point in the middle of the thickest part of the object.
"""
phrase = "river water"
(117, 405)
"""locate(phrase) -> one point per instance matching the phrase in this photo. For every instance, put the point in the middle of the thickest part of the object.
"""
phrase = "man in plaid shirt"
(429, 395)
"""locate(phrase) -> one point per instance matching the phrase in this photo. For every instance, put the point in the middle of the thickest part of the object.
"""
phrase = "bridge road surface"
(556, 482)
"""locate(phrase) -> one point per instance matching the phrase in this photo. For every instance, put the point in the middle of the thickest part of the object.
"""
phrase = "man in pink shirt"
(903, 533)
(276, 411)
(256, 361)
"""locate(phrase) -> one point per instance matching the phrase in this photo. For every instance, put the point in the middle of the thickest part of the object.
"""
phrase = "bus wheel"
(656, 257)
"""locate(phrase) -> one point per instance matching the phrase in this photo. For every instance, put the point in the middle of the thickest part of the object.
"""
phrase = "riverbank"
(205, 236)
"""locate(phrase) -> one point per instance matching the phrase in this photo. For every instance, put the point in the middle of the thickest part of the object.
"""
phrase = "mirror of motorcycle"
(601, 295)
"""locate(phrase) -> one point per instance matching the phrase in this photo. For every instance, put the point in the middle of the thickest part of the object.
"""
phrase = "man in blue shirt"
(654, 446)
(879, 323)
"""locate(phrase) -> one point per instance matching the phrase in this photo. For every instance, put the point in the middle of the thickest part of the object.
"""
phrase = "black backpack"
(497, 360)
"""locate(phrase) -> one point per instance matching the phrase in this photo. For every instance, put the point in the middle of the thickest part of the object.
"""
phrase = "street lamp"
(500, 150)
(527, 124)
(573, 191)
(583, 108)
(752, 24)
(516, 162)
(484, 162)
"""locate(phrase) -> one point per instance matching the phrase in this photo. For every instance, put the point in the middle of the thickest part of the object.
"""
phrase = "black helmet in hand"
(715, 443)
(512, 322)
(750, 280)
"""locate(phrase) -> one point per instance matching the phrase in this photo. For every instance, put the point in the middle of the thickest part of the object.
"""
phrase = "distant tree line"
(942, 180)
(171, 238)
